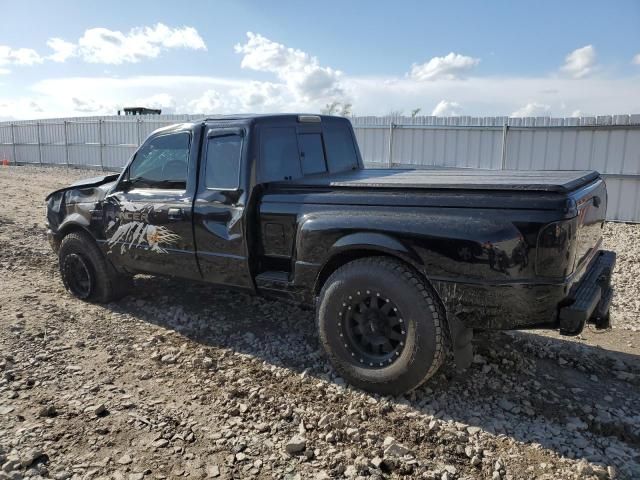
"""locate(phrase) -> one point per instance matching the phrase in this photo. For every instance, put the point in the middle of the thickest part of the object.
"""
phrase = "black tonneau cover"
(561, 181)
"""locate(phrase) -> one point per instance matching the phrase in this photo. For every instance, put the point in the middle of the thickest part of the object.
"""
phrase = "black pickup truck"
(400, 265)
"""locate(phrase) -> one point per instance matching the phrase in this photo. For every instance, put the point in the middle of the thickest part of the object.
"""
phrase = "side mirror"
(125, 185)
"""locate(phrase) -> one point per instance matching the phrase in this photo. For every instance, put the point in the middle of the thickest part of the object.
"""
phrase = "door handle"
(175, 214)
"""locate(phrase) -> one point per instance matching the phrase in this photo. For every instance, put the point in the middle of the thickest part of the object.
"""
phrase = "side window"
(223, 161)
(311, 153)
(162, 162)
(279, 154)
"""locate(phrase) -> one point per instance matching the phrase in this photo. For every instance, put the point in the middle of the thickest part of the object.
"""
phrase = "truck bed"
(562, 181)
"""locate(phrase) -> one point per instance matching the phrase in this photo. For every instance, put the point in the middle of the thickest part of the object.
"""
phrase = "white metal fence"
(99, 142)
(609, 144)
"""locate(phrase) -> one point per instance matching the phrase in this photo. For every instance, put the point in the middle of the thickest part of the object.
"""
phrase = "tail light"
(555, 252)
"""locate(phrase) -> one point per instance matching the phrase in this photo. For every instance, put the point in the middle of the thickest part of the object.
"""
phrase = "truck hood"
(88, 183)
(561, 181)
(77, 200)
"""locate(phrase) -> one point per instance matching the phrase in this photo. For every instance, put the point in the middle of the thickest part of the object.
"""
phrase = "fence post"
(503, 159)
(39, 144)
(138, 130)
(389, 156)
(66, 144)
(13, 141)
(100, 143)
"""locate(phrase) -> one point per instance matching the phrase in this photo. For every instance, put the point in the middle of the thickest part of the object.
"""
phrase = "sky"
(478, 58)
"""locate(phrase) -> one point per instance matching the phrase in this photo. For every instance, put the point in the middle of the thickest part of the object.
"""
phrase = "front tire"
(381, 325)
(86, 274)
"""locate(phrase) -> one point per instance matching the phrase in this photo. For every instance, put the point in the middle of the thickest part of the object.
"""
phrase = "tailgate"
(591, 202)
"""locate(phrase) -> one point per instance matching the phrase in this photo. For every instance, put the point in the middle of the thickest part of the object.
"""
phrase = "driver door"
(148, 217)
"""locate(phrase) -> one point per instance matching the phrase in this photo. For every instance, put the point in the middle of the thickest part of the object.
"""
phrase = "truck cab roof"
(254, 118)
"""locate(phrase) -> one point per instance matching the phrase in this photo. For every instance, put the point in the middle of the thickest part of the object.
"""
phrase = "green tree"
(330, 108)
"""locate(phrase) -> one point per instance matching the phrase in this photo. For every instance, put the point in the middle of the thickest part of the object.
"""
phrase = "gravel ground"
(192, 381)
(624, 239)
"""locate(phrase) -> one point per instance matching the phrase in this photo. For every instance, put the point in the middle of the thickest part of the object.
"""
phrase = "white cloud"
(497, 95)
(448, 67)
(580, 62)
(105, 95)
(371, 95)
(4, 71)
(261, 96)
(109, 106)
(211, 101)
(446, 109)
(636, 59)
(18, 56)
(252, 96)
(301, 83)
(91, 106)
(16, 108)
(62, 50)
(298, 70)
(163, 101)
(532, 109)
(101, 45)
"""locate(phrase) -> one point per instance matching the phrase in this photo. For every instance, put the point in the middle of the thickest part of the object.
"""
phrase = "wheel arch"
(458, 334)
(365, 244)
(73, 223)
(77, 223)
(357, 286)
(111, 282)
(70, 225)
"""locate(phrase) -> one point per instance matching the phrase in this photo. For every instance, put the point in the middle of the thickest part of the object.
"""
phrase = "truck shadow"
(573, 399)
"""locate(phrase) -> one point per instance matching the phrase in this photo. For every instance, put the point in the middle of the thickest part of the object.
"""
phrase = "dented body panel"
(502, 250)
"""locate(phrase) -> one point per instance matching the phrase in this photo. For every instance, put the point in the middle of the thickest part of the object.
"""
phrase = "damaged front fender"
(86, 183)
(77, 205)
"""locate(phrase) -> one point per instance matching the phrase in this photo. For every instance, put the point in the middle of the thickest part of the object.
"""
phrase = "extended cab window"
(279, 154)
(223, 161)
(162, 162)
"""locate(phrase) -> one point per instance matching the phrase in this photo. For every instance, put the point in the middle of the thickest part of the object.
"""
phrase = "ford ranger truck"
(400, 265)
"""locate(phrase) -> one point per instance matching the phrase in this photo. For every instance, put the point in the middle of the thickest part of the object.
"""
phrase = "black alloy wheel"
(373, 328)
(381, 325)
(77, 275)
(85, 271)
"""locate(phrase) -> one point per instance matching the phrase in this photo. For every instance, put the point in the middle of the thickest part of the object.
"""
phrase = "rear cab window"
(312, 157)
(290, 152)
(341, 148)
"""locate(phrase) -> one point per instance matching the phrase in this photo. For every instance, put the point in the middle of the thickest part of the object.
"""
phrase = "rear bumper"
(565, 306)
(589, 301)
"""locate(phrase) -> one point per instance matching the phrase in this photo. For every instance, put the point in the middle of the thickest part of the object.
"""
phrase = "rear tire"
(85, 272)
(381, 325)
